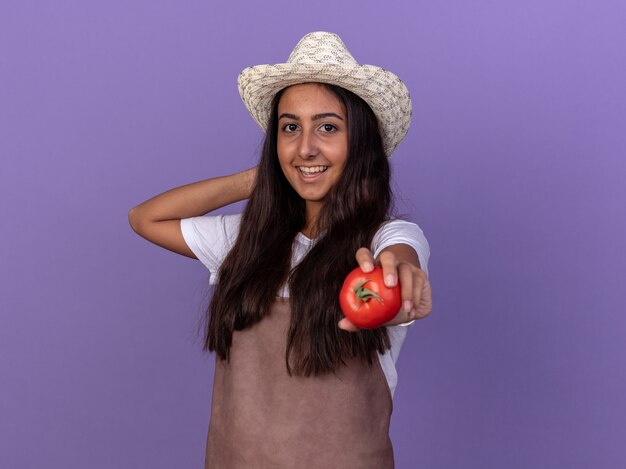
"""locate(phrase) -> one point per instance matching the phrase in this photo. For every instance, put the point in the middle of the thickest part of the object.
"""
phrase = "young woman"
(296, 384)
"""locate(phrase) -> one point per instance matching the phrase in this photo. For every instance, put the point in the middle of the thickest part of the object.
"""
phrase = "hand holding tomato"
(400, 265)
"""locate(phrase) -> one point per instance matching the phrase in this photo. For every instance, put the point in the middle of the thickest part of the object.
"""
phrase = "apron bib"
(263, 418)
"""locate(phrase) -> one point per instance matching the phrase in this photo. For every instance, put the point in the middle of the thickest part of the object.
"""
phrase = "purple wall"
(514, 168)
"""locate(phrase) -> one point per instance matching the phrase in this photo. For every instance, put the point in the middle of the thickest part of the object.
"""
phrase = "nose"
(308, 147)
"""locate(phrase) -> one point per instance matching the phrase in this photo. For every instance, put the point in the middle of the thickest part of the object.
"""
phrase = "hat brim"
(383, 91)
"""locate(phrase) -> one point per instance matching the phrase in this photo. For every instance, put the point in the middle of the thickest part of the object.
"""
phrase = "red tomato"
(366, 301)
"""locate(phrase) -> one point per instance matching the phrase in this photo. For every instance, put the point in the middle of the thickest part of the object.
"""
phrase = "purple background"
(514, 167)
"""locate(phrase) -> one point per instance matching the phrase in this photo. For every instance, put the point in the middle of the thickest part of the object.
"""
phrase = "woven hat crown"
(321, 48)
(322, 57)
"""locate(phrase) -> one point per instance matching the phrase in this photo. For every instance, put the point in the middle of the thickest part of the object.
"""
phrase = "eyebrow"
(315, 117)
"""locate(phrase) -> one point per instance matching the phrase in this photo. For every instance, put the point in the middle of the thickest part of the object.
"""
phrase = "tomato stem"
(364, 294)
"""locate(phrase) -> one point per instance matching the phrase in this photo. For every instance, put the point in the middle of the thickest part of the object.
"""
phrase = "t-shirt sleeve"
(210, 238)
(398, 231)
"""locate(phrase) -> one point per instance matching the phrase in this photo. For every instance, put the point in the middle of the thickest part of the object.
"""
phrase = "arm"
(158, 219)
(399, 261)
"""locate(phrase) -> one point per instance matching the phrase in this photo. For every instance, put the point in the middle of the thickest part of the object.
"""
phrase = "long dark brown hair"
(260, 261)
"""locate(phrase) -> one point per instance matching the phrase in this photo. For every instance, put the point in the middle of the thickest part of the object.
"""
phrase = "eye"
(290, 127)
(328, 128)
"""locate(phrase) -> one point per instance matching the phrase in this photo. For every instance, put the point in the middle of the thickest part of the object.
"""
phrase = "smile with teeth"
(312, 170)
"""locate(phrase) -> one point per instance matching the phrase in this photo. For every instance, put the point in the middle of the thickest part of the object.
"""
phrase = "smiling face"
(312, 142)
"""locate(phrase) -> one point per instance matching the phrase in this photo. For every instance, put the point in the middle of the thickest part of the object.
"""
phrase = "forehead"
(310, 97)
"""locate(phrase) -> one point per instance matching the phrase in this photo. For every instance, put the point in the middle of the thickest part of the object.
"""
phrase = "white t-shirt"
(210, 238)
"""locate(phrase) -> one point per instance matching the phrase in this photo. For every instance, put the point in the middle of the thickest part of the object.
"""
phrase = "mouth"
(311, 171)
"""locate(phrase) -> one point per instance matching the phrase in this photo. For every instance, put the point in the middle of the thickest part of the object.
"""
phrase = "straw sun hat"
(323, 57)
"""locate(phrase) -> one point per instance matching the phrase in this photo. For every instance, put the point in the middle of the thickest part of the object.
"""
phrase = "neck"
(310, 229)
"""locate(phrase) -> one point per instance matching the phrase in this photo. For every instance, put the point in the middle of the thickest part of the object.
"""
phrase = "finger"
(389, 263)
(347, 325)
(417, 289)
(425, 305)
(406, 287)
(365, 259)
